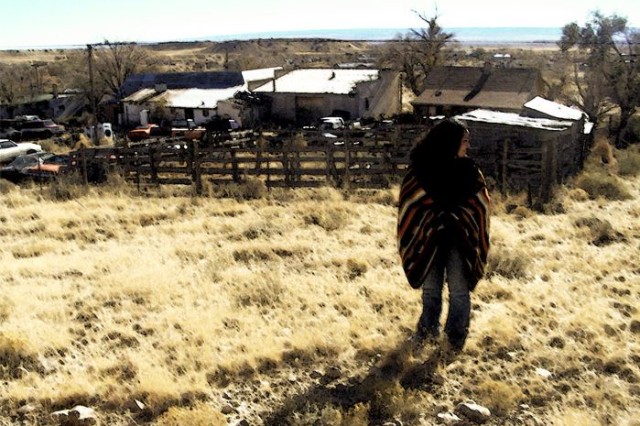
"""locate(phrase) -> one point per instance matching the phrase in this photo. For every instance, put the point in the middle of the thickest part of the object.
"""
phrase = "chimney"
(54, 90)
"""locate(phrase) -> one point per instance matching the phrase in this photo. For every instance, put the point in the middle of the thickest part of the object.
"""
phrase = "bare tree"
(419, 51)
(610, 74)
(430, 42)
(116, 61)
(14, 86)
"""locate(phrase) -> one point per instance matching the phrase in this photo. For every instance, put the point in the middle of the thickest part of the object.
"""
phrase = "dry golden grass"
(292, 308)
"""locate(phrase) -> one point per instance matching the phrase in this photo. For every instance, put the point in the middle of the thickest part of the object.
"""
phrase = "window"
(366, 104)
(205, 112)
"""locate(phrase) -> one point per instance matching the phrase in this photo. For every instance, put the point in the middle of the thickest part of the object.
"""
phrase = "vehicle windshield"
(25, 160)
(7, 144)
(57, 159)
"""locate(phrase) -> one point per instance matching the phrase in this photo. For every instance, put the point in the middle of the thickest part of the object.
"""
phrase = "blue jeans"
(457, 325)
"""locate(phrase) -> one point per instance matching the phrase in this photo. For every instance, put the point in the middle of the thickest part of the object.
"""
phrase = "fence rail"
(345, 165)
(349, 158)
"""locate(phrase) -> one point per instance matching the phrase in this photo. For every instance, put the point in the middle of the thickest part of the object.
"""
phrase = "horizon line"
(311, 34)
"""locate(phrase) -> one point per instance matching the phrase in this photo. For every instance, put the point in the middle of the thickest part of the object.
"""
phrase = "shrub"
(330, 219)
(250, 189)
(199, 415)
(16, 357)
(522, 212)
(631, 133)
(66, 188)
(602, 233)
(6, 307)
(602, 152)
(507, 263)
(628, 161)
(7, 186)
(599, 184)
(499, 397)
(356, 268)
(51, 146)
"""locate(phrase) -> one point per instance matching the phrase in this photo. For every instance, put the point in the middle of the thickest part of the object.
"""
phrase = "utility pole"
(92, 95)
(36, 87)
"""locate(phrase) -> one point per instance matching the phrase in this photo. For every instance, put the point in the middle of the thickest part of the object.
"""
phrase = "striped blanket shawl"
(425, 225)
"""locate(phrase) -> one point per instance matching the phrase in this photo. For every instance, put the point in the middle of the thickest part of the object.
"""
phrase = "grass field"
(292, 308)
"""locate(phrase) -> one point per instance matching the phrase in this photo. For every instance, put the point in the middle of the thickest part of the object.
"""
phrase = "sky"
(63, 23)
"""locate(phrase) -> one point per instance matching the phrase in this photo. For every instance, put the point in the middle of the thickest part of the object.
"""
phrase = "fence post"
(347, 161)
(328, 161)
(285, 163)
(545, 174)
(505, 160)
(83, 161)
(196, 174)
(154, 168)
(234, 166)
(268, 155)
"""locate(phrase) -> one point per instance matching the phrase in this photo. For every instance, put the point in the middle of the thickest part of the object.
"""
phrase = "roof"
(184, 98)
(554, 109)
(472, 87)
(259, 74)
(335, 81)
(141, 95)
(183, 80)
(512, 119)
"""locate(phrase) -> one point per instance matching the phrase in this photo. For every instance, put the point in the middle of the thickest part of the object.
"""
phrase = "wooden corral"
(516, 157)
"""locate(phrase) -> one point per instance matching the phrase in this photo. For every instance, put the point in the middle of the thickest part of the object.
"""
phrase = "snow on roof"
(186, 98)
(512, 119)
(337, 81)
(554, 109)
(259, 74)
(588, 127)
(198, 98)
(140, 95)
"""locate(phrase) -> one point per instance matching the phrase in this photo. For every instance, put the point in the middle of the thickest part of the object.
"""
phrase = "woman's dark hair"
(440, 144)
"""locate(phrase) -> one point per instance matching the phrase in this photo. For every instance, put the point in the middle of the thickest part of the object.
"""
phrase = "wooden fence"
(512, 158)
(300, 159)
(190, 164)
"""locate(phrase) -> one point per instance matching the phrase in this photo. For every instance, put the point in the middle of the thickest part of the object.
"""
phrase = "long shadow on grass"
(396, 368)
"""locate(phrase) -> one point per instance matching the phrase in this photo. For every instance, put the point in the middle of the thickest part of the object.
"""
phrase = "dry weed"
(296, 297)
(199, 415)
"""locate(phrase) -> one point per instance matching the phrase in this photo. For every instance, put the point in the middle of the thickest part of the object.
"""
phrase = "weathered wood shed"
(523, 153)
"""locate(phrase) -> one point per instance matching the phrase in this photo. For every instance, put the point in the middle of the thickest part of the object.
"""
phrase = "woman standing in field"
(443, 228)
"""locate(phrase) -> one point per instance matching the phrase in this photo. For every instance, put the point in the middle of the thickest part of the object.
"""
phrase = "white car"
(9, 149)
